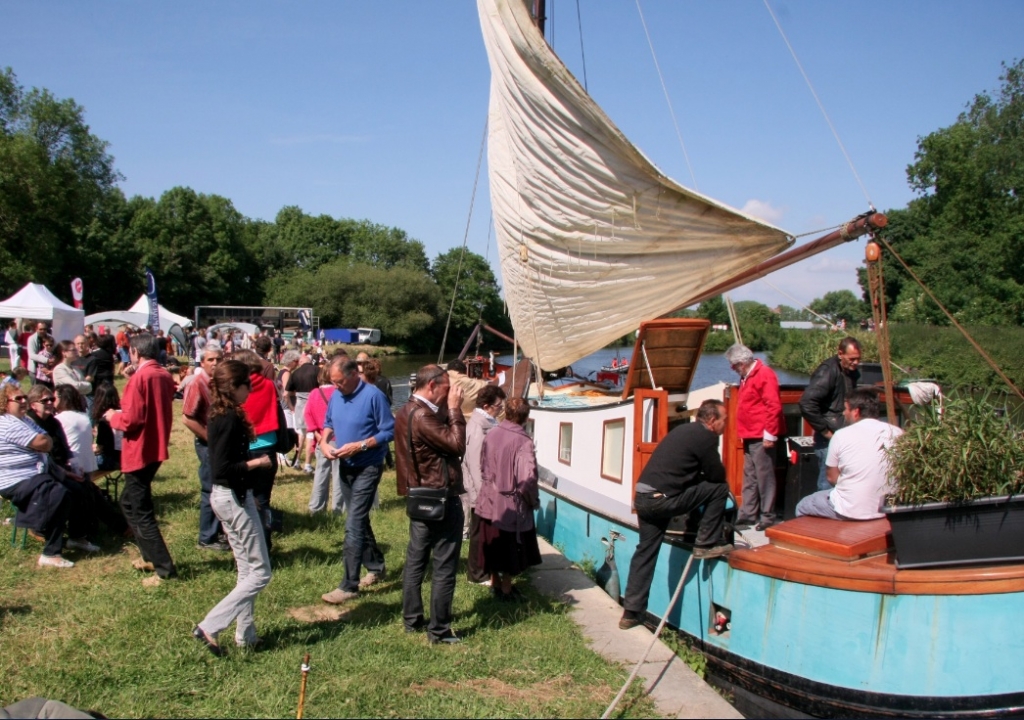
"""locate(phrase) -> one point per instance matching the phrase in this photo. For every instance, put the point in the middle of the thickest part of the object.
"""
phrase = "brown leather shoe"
(142, 565)
(337, 596)
(628, 622)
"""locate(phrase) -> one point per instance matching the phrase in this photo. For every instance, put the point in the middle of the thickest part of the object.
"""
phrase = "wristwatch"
(363, 446)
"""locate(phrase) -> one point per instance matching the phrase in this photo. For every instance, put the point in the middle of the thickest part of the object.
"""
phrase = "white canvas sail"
(593, 237)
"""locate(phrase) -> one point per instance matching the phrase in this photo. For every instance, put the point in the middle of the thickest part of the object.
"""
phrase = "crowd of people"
(248, 409)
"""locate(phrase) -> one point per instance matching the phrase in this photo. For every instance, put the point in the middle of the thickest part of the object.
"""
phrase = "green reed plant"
(964, 452)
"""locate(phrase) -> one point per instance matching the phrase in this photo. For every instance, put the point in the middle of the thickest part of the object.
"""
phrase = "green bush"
(963, 452)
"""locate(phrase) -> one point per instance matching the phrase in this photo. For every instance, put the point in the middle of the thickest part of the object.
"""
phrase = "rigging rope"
(668, 101)
(821, 107)
(583, 55)
(952, 319)
(465, 240)
(876, 289)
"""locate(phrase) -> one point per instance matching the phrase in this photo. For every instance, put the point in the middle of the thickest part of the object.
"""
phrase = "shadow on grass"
(6, 611)
(302, 556)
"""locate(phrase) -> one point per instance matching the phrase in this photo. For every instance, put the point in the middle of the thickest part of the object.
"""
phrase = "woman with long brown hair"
(229, 433)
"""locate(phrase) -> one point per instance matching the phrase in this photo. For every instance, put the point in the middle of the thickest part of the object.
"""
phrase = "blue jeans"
(360, 542)
(821, 452)
(209, 525)
(818, 504)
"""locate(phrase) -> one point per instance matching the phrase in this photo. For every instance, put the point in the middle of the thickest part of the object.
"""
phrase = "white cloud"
(763, 210)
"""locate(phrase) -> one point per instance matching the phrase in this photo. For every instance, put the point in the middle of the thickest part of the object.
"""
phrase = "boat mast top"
(540, 14)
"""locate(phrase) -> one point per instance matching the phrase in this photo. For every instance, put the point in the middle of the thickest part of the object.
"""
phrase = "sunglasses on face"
(46, 401)
(18, 399)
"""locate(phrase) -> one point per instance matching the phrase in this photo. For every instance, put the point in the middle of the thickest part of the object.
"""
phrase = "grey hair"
(212, 346)
(289, 357)
(739, 355)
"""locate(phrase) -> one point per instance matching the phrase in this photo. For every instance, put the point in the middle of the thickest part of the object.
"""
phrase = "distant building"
(801, 325)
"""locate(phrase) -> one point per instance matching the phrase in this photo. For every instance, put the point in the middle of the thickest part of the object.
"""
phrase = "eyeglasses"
(18, 399)
(46, 401)
(435, 376)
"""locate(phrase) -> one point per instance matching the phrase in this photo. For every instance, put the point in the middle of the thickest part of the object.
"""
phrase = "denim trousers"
(360, 543)
(653, 515)
(821, 452)
(244, 531)
(327, 479)
(137, 504)
(443, 540)
(209, 525)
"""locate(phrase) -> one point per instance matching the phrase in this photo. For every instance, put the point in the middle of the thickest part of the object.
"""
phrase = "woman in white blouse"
(70, 409)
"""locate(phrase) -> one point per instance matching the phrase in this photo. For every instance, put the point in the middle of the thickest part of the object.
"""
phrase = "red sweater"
(261, 406)
(760, 408)
(145, 417)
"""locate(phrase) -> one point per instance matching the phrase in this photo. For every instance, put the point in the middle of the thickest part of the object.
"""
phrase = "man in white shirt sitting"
(857, 464)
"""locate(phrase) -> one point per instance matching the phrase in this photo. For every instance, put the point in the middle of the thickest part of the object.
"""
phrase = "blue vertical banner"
(154, 308)
(303, 320)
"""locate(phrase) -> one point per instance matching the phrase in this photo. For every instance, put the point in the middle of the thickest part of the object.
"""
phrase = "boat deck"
(858, 556)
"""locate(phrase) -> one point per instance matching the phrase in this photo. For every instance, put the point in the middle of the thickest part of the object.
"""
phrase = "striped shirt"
(17, 461)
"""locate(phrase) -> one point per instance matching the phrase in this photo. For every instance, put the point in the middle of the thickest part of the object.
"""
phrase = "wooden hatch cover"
(667, 349)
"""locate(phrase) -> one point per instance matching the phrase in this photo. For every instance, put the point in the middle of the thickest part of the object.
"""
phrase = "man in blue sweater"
(358, 427)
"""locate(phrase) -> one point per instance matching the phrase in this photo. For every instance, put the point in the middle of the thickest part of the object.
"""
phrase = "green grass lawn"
(94, 637)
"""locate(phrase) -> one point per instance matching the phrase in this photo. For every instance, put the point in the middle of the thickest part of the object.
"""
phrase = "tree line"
(62, 215)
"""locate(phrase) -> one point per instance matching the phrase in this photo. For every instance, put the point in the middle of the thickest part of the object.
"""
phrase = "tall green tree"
(54, 177)
(195, 245)
(841, 305)
(404, 303)
(964, 233)
(477, 297)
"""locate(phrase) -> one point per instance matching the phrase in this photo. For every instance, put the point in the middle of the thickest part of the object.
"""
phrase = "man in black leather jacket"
(822, 401)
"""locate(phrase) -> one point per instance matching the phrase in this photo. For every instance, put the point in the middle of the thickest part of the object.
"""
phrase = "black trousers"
(443, 539)
(654, 514)
(137, 505)
(263, 486)
(474, 571)
(56, 505)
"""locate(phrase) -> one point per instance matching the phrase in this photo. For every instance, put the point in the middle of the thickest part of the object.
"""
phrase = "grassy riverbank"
(93, 637)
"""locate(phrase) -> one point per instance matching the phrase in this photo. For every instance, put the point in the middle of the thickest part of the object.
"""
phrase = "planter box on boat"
(936, 534)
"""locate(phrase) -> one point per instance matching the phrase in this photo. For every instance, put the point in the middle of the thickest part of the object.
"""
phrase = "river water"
(711, 369)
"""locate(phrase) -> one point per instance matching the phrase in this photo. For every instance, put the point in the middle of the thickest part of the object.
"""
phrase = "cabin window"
(612, 449)
(650, 415)
(565, 443)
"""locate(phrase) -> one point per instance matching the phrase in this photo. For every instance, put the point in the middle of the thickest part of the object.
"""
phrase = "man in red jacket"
(759, 424)
(145, 419)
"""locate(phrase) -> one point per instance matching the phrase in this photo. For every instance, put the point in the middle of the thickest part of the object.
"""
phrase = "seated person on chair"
(42, 501)
(856, 464)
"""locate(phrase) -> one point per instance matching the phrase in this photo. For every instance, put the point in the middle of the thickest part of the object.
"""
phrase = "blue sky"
(376, 109)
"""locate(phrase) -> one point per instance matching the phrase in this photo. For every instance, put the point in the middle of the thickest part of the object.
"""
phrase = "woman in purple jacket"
(506, 501)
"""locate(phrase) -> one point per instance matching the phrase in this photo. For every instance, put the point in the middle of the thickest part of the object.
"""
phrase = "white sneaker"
(83, 544)
(307, 469)
(54, 561)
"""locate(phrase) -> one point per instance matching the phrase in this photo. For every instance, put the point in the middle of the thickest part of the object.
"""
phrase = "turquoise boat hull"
(818, 650)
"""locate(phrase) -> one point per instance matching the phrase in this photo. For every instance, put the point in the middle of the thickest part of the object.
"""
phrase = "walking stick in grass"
(302, 688)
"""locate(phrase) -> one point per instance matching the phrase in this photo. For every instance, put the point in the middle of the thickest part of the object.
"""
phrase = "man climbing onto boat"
(822, 401)
(759, 423)
(684, 472)
(857, 464)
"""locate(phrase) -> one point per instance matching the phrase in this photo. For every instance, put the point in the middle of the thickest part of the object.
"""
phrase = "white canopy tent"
(36, 302)
(113, 319)
(142, 306)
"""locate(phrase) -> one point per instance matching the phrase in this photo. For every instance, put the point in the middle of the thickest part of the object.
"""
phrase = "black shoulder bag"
(424, 503)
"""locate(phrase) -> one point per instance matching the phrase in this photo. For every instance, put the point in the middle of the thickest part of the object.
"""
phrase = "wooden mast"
(862, 225)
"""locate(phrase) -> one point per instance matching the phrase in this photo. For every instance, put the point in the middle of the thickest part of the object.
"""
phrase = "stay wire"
(465, 241)
(821, 106)
(668, 100)
(958, 326)
(583, 55)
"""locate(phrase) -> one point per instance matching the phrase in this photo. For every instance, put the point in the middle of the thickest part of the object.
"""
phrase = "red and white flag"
(76, 292)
